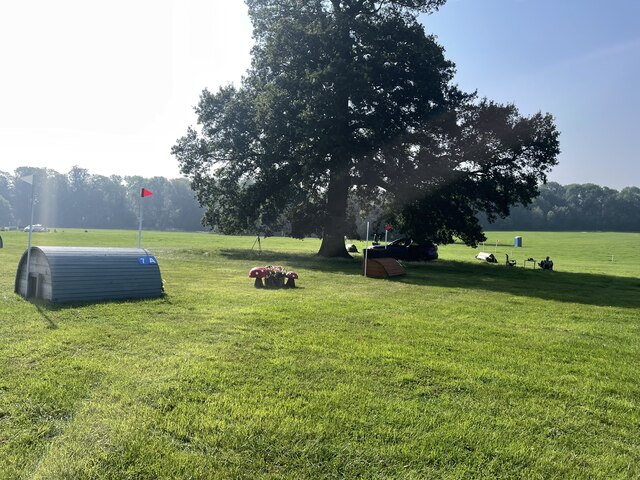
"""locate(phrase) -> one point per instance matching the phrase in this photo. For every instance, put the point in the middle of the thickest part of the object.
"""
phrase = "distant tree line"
(586, 207)
(79, 199)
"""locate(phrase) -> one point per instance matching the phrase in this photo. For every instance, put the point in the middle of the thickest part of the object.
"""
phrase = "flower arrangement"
(274, 277)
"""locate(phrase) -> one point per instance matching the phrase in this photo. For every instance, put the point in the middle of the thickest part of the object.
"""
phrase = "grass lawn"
(459, 369)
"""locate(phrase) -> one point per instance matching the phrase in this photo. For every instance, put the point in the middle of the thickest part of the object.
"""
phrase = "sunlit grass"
(457, 370)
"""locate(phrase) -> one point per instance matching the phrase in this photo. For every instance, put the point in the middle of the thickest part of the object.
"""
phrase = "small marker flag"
(28, 179)
(143, 193)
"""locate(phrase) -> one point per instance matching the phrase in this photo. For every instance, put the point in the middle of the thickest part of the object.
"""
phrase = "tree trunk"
(334, 228)
(333, 247)
(340, 181)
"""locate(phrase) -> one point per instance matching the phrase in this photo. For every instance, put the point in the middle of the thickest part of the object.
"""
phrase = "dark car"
(405, 249)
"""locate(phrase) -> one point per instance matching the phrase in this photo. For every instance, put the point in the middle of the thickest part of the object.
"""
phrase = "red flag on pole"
(143, 193)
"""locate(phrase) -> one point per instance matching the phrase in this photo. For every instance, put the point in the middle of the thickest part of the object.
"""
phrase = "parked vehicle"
(36, 228)
(405, 249)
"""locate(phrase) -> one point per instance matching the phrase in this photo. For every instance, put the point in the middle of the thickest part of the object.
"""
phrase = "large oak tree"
(352, 98)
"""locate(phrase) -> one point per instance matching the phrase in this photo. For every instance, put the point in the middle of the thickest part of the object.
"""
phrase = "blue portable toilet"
(85, 274)
(517, 242)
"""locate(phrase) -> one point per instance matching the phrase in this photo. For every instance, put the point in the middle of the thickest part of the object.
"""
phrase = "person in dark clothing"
(546, 264)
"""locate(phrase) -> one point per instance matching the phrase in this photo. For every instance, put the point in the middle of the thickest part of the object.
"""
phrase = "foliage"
(276, 276)
(457, 370)
(353, 98)
(6, 212)
(80, 199)
(584, 207)
(276, 271)
(64, 200)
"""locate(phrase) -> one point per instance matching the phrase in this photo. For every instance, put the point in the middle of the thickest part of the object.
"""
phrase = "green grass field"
(457, 370)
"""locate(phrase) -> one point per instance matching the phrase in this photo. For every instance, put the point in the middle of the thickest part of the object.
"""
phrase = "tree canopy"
(351, 99)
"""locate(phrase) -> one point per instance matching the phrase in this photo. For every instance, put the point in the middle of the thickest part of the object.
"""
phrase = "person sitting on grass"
(546, 264)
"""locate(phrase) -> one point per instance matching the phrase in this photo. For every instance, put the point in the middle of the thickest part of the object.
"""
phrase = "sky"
(110, 86)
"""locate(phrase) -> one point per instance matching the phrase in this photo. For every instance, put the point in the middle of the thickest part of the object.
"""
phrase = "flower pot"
(274, 282)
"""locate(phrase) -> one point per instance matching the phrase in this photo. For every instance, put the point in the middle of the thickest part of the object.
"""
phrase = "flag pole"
(366, 250)
(143, 193)
(140, 218)
(30, 236)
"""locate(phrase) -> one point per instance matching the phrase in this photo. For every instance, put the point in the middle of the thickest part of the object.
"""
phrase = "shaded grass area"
(458, 370)
(573, 287)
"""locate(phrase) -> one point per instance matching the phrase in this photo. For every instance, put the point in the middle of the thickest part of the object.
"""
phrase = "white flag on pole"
(28, 179)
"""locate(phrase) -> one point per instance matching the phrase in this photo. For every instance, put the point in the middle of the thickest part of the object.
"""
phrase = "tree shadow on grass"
(583, 288)
(571, 287)
(293, 261)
